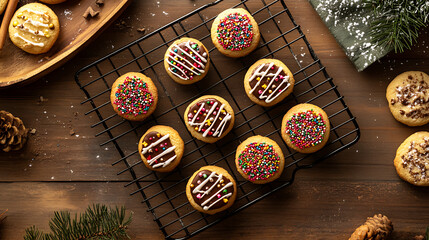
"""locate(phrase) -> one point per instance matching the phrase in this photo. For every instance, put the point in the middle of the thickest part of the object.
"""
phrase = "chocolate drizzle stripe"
(218, 132)
(187, 44)
(260, 74)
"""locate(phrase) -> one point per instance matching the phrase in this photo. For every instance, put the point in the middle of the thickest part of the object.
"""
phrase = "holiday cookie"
(52, 1)
(268, 81)
(305, 128)
(412, 159)
(161, 148)
(134, 96)
(408, 98)
(211, 190)
(259, 160)
(34, 28)
(235, 33)
(3, 4)
(187, 61)
(209, 118)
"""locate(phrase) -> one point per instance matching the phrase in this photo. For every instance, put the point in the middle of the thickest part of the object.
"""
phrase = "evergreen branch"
(98, 222)
(396, 23)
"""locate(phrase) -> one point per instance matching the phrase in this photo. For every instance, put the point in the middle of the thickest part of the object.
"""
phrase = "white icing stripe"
(164, 164)
(26, 29)
(36, 23)
(166, 151)
(144, 150)
(28, 41)
(272, 96)
(198, 188)
(36, 12)
(224, 187)
(211, 205)
(221, 126)
(200, 63)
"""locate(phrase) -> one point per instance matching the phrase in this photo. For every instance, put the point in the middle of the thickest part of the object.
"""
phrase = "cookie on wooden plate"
(259, 160)
(268, 82)
(187, 61)
(235, 33)
(161, 148)
(134, 96)
(34, 28)
(209, 118)
(412, 159)
(305, 128)
(408, 98)
(211, 189)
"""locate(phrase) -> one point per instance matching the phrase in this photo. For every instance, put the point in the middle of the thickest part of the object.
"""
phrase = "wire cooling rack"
(164, 193)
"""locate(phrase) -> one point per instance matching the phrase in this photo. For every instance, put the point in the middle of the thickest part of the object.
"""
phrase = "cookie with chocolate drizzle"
(209, 118)
(412, 159)
(161, 148)
(187, 61)
(211, 189)
(268, 82)
(408, 98)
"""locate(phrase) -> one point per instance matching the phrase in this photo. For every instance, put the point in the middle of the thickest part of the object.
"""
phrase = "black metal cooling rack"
(164, 194)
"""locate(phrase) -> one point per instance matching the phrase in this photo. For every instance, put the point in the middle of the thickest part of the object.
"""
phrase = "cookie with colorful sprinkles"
(235, 33)
(259, 159)
(268, 82)
(161, 148)
(305, 128)
(187, 61)
(134, 96)
(211, 189)
(412, 159)
(209, 118)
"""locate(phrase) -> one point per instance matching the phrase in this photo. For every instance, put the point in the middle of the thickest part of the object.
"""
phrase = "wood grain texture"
(75, 32)
(326, 202)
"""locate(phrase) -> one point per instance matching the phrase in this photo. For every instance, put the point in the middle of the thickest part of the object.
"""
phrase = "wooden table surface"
(59, 171)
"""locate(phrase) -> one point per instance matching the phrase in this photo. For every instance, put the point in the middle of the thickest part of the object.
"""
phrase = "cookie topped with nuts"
(412, 159)
(408, 98)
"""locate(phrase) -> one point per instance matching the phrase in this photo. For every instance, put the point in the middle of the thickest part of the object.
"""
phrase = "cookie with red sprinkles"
(305, 128)
(209, 118)
(259, 159)
(134, 96)
(235, 33)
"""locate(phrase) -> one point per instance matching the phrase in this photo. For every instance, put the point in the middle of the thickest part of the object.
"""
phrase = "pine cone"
(13, 133)
(378, 227)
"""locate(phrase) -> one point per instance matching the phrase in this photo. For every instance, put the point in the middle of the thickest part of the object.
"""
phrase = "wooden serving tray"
(17, 66)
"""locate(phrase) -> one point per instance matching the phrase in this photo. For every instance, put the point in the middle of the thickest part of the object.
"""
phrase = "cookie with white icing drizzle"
(161, 148)
(412, 159)
(211, 189)
(268, 82)
(34, 28)
(408, 98)
(187, 61)
(209, 118)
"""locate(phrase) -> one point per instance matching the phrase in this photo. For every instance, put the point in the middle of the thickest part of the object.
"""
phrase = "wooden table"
(59, 171)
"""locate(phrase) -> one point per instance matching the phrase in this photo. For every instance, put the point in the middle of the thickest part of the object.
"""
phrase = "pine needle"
(396, 23)
(98, 222)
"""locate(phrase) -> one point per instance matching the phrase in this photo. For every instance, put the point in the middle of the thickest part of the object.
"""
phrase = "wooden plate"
(17, 66)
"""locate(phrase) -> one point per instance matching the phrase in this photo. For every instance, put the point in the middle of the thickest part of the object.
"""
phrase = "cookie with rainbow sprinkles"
(235, 33)
(134, 96)
(259, 159)
(305, 128)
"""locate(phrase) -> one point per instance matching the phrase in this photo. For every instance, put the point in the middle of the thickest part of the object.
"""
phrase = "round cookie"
(235, 33)
(34, 28)
(211, 190)
(187, 61)
(161, 148)
(412, 159)
(52, 1)
(259, 160)
(134, 96)
(305, 128)
(209, 118)
(3, 4)
(268, 82)
(408, 98)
